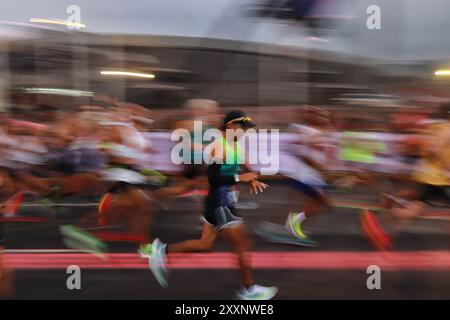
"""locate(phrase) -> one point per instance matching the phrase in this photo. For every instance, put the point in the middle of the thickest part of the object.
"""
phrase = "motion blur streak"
(57, 21)
(129, 74)
(416, 260)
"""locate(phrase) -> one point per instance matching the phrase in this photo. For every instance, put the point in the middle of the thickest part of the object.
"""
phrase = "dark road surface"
(337, 231)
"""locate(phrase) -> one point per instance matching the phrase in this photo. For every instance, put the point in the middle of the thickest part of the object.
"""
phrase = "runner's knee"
(205, 245)
(243, 246)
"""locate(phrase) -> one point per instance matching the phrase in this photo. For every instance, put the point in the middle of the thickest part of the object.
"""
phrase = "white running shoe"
(157, 262)
(257, 292)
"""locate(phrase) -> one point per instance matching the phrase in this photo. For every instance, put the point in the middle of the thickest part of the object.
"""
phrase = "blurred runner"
(128, 201)
(6, 275)
(301, 161)
(194, 178)
(220, 215)
(361, 153)
(430, 188)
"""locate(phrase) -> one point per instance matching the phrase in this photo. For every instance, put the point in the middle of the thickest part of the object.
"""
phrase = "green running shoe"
(294, 226)
(145, 250)
(77, 238)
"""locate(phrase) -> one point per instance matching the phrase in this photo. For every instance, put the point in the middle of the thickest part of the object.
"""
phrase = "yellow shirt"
(434, 167)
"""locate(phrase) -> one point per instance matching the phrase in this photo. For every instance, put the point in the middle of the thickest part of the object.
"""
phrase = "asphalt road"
(334, 273)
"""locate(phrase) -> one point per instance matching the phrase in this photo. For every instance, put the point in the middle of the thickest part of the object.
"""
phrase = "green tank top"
(230, 168)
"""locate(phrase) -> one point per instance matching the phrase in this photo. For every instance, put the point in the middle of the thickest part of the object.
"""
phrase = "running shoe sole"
(276, 233)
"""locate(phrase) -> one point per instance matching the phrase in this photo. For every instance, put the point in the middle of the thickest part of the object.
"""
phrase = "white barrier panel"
(389, 161)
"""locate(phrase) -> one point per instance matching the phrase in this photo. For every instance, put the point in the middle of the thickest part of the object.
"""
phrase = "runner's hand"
(247, 177)
(257, 186)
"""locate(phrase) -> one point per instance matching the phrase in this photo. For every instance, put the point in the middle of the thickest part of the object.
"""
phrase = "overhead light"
(443, 72)
(128, 74)
(56, 91)
(317, 39)
(58, 21)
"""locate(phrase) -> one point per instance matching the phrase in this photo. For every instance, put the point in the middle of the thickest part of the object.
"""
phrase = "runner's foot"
(257, 292)
(157, 262)
(294, 226)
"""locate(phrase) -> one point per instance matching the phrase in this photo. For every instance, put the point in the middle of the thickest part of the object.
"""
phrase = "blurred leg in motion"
(140, 218)
(238, 238)
(6, 276)
(402, 208)
(205, 243)
(124, 205)
(315, 203)
(79, 184)
(236, 235)
(132, 207)
(408, 211)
